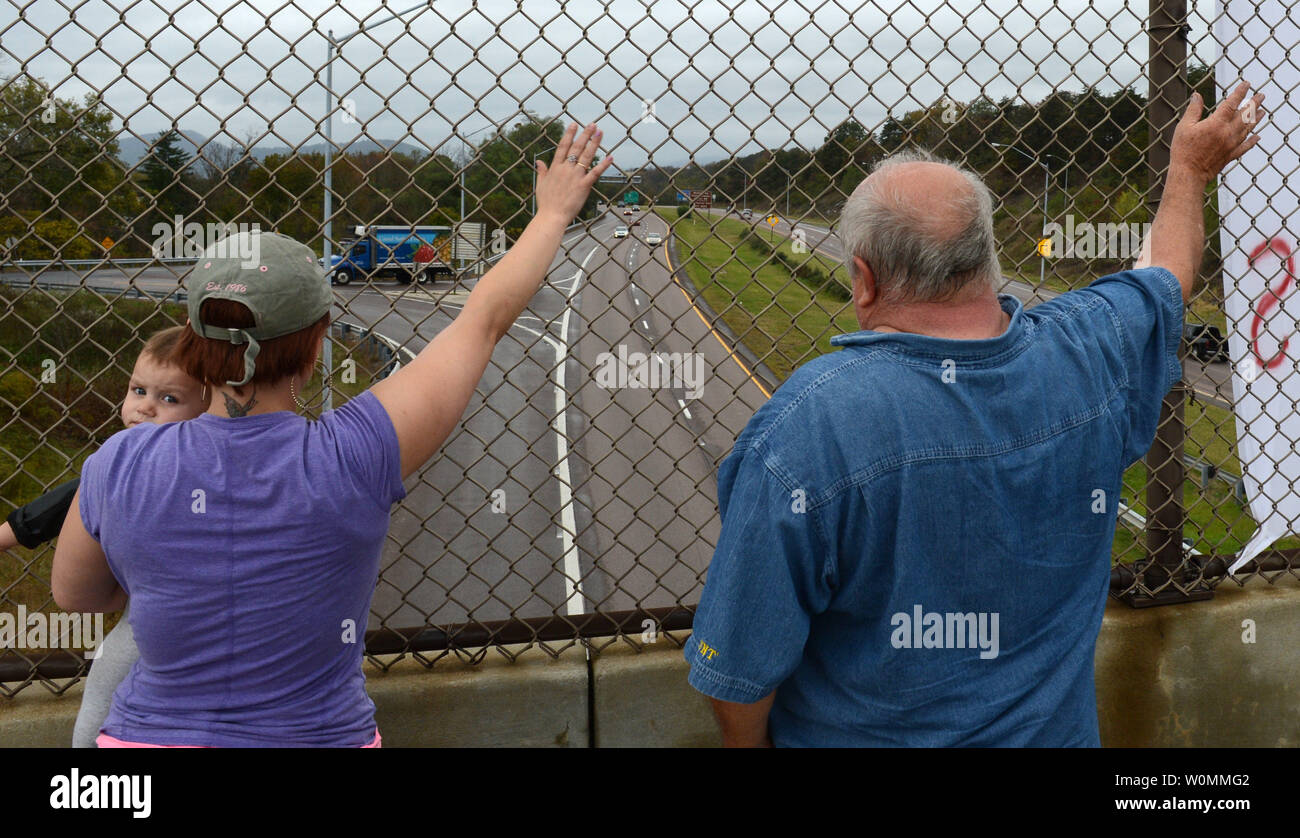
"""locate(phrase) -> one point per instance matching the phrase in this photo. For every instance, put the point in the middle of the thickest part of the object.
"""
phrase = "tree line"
(65, 190)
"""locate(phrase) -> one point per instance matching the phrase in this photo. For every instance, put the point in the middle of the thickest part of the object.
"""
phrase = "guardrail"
(91, 263)
(130, 291)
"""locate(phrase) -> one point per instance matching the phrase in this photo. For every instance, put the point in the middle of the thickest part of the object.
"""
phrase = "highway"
(608, 496)
(556, 494)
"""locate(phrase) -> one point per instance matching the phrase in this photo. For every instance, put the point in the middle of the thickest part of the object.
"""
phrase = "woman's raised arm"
(426, 398)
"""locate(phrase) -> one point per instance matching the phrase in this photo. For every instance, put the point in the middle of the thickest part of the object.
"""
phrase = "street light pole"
(1065, 166)
(327, 209)
(1047, 183)
(327, 231)
(462, 184)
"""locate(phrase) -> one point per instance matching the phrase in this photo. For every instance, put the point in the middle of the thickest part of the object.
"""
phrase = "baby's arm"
(40, 521)
(8, 540)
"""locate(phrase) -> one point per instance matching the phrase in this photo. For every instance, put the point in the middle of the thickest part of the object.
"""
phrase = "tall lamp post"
(1047, 184)
(1065, 167)
(333, 45)
(462, 180)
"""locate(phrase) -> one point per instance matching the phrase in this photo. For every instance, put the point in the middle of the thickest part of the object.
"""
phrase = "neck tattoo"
(235, 409)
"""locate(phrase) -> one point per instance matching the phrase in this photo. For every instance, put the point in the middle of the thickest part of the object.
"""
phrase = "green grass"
(816, 220)
(51, 427)
(774, 314)
(1216, 522)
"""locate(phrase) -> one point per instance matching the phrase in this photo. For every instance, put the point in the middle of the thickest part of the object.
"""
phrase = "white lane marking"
(574, 600)
(684, 408)
(582, 230)
(645, 324)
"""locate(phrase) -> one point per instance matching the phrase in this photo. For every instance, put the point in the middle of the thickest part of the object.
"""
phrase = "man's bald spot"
(933, 195)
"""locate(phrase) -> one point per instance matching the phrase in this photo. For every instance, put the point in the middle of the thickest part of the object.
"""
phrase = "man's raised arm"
(1199, 151)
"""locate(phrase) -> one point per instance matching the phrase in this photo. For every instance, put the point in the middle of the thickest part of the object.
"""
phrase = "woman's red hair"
(215, 362)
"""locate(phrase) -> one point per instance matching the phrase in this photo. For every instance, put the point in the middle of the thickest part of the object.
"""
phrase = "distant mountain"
(133, 148)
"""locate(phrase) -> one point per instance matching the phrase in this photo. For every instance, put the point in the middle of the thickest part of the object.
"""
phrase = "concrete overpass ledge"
(1223, 673)
(643, 700)
(36, 718)
(533, 701)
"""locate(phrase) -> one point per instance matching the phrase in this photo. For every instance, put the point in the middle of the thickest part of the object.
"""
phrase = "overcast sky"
(666, 80)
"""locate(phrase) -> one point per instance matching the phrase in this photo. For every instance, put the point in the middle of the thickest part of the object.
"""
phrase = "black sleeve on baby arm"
(41, 520)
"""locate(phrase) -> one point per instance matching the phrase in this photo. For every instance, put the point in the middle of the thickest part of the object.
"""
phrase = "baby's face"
(160, 393)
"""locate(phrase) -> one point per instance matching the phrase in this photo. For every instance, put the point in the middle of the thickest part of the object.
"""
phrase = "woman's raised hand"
(562, 187)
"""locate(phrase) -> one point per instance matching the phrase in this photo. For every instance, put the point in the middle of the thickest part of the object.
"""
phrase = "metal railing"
(563, 512)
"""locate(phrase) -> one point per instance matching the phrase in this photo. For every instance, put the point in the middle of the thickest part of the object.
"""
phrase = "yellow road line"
(672, 272)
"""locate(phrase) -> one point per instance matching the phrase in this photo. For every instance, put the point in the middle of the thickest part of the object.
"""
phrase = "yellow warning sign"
(772, 219)
(1045, 247)
(107, 242)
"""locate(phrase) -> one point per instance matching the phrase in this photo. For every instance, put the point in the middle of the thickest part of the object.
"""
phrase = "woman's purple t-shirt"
(250, 549)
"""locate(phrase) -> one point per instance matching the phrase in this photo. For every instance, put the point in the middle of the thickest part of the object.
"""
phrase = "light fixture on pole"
(333, 45)
(462, 179)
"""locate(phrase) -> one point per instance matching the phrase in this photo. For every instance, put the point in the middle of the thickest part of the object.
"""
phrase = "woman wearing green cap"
(249, 539)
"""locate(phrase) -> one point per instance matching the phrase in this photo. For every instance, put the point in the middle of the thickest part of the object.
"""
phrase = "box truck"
(404, 253)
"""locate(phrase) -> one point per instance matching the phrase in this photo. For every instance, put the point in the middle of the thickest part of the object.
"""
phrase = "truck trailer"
(404, 253)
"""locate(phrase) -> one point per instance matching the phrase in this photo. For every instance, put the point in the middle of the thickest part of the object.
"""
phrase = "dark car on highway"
(1205, 342)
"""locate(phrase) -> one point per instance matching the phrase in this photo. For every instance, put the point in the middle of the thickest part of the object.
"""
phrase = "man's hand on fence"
(1202, 147)
(562, 187)
(1199, 150)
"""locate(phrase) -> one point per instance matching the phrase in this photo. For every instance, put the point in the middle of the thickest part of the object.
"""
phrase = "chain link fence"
(577, 501)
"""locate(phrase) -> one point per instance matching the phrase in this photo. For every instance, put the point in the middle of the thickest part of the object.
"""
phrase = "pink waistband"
(106, 741)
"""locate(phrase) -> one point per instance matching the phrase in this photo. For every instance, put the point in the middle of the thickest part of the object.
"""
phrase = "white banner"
(1259, 221)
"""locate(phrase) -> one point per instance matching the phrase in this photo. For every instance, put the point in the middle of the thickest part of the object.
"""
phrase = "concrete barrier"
(533, 701)
(1211, 674)
(1182, 675)
(642, 700)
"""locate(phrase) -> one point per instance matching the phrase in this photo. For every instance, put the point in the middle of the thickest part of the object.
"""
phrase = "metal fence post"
(1166, 472)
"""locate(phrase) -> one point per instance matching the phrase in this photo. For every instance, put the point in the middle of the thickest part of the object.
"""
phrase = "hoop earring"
(294, 392)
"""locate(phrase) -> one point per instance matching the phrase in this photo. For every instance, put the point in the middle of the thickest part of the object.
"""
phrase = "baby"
(159, 392)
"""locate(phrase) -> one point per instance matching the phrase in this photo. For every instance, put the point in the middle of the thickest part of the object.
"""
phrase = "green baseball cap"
(277, 278)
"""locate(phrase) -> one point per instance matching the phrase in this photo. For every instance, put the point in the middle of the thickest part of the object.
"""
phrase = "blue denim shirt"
(916, 531)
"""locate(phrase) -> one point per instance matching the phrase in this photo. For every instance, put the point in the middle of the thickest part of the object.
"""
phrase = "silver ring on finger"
(572, 158)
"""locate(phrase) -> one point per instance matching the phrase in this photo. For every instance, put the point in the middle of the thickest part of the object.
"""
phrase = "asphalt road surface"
(609, 494)
(555, 495)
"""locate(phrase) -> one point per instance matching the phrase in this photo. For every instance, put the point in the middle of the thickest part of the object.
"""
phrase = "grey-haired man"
(916, 530)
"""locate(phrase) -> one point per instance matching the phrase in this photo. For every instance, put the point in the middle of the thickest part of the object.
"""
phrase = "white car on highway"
(620, 232)
(654, 238)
